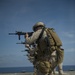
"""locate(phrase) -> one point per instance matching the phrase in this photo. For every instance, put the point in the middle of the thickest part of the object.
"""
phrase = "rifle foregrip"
(19, 37)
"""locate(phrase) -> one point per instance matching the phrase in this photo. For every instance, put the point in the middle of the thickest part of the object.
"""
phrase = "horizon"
(21, 15)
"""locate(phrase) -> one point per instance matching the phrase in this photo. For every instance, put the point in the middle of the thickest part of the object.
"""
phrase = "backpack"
(53, 39)
(51, 42)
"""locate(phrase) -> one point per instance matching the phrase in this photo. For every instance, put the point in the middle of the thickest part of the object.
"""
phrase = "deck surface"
(31, 73)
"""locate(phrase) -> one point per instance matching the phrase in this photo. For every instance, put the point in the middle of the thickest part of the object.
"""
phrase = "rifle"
(25, 50)
(21, 33)
(21, 43)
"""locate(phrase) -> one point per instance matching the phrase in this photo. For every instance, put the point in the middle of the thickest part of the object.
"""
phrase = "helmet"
(38, 24)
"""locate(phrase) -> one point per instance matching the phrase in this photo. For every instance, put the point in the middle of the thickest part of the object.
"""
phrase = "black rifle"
(21, 33)
(21, 43)
(25, 50)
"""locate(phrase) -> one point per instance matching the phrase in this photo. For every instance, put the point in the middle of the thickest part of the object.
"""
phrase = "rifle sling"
(40, 35)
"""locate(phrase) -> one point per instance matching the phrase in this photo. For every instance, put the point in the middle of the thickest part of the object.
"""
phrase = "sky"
(21, 15)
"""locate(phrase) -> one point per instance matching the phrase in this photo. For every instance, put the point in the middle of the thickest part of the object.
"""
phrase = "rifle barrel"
(21, 43)
(12, 33)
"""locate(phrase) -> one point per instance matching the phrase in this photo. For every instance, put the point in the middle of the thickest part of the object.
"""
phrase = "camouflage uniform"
(52, 59)
(33, 60)
(60, 69)
(32, 51)
(44, 65)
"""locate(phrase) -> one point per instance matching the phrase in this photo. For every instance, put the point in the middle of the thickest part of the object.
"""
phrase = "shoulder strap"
(40, 35)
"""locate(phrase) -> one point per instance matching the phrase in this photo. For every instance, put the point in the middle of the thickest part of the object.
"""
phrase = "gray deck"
(30, 73)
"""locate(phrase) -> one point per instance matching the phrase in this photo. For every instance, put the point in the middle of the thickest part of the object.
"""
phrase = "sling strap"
(40, 35)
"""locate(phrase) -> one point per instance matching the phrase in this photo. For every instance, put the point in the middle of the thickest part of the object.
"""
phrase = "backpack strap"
(40, 35)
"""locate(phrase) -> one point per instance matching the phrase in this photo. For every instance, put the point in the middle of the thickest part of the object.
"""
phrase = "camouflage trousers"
(37, 72)
(45, 67)
(58, 57)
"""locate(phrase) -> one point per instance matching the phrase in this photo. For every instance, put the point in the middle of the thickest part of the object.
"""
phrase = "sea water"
(30, 69)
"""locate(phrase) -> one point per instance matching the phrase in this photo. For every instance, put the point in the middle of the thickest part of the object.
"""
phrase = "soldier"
(60, 69)
(32, 55)
(43, 64)
(33, 50)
